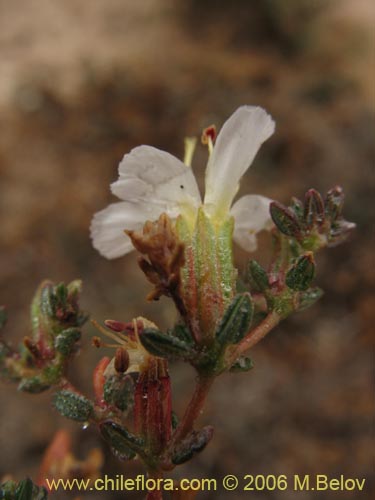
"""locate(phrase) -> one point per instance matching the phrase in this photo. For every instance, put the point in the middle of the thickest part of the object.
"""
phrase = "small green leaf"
(164, 345)
(300, 276)
(122, 442)
(236, 320)
(309, 297)
(192, 444)
(47, 300)
(182, 332)
(242, 365)
(66, 341)
(258, 276)
(61, 293)
(33, 385)
(73, 405)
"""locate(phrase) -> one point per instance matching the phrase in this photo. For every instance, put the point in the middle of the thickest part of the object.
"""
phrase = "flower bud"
(340, 231)
(300, 276)
(314, 208)
(285, 220)
(334, 202)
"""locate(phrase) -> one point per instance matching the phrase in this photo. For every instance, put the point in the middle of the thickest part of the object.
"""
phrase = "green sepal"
(258, 277)
(195, 442)
(236, 320)
(163, 345)
(122, 442)
(119, 391)
(73, 405)
(65, 342)
(242, 365)
(33, 385)
(301, 275)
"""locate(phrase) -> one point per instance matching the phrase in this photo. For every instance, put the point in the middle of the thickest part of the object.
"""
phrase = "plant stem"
(254, 336)
(156, 494)
(194, 408)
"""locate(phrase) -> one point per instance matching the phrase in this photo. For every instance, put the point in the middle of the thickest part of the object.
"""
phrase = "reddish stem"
(194, 408)
(253, 337)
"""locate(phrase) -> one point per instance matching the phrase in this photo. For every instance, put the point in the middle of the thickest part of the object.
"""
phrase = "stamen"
(208, 138)
(97, 342)
(116, 326)
(190, 144)
(121, 360)
(118, 337)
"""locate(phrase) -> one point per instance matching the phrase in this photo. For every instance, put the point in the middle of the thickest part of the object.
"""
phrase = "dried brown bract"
(165, 256)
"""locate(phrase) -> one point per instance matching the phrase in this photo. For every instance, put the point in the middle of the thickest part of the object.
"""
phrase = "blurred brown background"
(81, 83)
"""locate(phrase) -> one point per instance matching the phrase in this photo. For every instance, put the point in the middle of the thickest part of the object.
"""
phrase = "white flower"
(152, 181)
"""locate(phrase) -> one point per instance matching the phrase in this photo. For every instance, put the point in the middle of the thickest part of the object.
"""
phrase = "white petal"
(251, 214)
(234, 150)
(108, 225)
(150, 175)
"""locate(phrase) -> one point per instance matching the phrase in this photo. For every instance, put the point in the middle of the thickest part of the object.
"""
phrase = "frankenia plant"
(185, 247)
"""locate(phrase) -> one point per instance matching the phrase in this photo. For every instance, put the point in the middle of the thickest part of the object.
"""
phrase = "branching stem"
(254, 336)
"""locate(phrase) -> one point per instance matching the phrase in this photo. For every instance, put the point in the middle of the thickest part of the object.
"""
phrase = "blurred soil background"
(81, 83)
